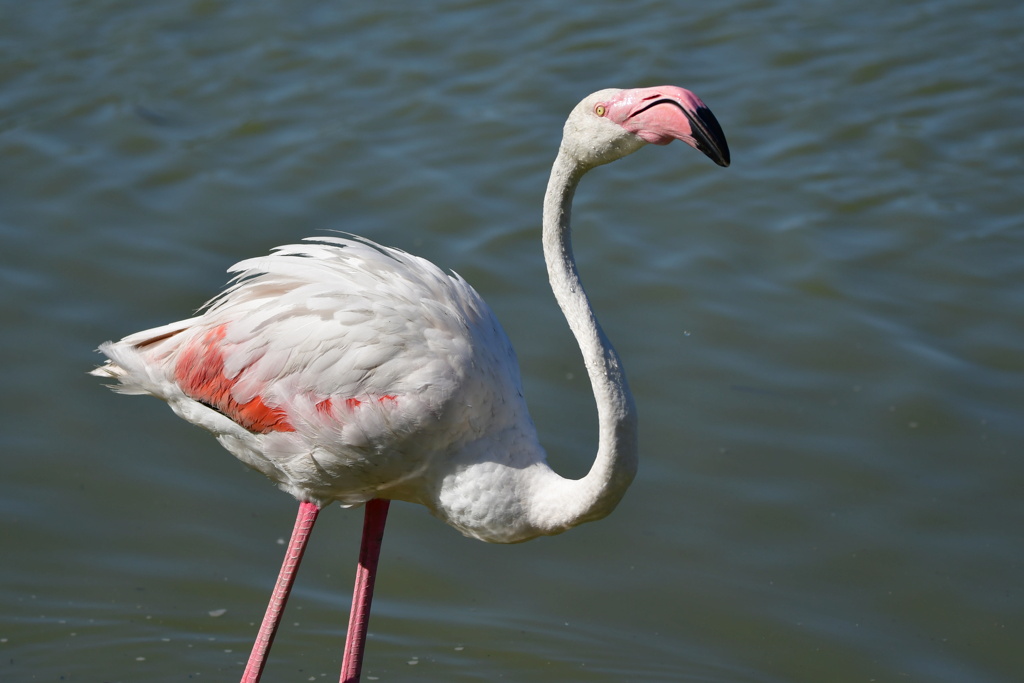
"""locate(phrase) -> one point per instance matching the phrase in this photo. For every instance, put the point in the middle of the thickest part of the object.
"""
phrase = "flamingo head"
(612, 123)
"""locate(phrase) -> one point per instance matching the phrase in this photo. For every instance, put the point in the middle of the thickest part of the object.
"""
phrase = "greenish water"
(825, 340)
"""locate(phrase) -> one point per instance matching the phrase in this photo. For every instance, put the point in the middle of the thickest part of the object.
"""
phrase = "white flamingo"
(346, 371)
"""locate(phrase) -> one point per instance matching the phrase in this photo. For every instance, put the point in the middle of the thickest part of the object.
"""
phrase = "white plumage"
(374, 355)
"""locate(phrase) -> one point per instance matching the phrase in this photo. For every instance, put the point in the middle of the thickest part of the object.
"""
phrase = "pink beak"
(666, 113)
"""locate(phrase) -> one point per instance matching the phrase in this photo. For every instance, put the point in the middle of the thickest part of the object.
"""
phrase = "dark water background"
(825, 340)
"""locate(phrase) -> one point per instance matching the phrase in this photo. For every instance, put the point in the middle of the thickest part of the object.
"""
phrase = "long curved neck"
(613, 470)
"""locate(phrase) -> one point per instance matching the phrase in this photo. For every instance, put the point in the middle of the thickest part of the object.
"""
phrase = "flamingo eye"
(600, 110)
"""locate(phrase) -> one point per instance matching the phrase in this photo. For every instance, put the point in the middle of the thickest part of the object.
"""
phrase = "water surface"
(824, 340)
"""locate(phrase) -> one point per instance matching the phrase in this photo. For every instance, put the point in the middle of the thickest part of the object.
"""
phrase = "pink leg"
(366, 574)
(293, 555)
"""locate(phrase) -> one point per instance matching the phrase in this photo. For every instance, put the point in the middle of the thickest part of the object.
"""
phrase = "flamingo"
(350, 372)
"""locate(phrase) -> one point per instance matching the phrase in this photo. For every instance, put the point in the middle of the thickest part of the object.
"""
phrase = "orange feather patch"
(200, 374)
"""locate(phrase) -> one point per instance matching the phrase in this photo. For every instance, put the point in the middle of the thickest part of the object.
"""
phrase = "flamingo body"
(342, 369)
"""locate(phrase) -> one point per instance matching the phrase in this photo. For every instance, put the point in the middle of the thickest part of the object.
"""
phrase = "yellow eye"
(600, 110)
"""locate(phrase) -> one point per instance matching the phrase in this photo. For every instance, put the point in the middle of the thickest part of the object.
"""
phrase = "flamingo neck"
(596, 494)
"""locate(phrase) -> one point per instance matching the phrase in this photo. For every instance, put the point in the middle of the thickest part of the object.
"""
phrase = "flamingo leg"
(293, 556)
(366, 574)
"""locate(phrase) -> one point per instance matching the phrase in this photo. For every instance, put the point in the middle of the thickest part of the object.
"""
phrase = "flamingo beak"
(661, 115)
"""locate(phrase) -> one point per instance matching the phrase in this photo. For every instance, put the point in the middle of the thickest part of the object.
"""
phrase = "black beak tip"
(710, 138)
(722, 157)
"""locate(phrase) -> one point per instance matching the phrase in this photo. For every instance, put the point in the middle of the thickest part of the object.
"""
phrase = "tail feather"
(127, 365)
